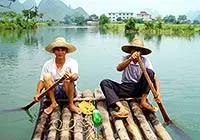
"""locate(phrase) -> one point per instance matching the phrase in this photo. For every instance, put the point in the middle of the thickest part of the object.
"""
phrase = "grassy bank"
(166, 29)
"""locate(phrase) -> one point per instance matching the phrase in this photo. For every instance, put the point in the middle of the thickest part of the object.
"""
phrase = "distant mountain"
(154, 14)
(197, 18)
(52, 9)
(80, 11)
(193, 15)
(57, 10)
(15, 6)
(29, 4)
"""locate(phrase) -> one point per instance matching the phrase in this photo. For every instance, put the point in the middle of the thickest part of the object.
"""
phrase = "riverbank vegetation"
(28, 19)
(157, 26)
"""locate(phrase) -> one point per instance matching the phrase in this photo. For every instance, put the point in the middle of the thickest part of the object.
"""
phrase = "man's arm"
(157, 97)
(121, 66)
(40, 86)
(134, 57)
(73, 77)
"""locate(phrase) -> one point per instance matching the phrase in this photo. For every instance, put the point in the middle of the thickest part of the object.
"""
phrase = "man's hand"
(135, 56)
(67, 75)
(35, 98)
(158, 97)
(70, 76)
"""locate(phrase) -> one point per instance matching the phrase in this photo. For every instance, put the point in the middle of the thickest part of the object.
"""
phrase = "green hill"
(29, 4)
(57, 10)
(52, 9)
(15, 6)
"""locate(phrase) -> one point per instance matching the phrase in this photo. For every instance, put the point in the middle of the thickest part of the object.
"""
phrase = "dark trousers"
(113, 90)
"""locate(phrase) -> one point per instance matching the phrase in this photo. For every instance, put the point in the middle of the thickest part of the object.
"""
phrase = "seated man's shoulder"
(48, 62)
(69, 59)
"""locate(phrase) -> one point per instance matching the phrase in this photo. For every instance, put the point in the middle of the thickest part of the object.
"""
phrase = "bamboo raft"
(65, 125)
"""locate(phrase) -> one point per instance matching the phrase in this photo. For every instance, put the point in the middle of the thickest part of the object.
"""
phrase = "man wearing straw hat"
(133, 83)
(54, 69)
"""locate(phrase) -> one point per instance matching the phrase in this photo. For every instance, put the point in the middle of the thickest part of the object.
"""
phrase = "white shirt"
(70, 65)
(133, 72)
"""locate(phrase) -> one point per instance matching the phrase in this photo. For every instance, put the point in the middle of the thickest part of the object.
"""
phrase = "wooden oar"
(161, 107)
(168, 122)
(41, 95)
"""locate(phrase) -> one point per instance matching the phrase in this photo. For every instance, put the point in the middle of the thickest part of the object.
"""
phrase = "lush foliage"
(12, 20)
(77, 20)
(130, 24)
(103, 20)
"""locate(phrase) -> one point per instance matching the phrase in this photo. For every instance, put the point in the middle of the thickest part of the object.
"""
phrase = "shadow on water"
(31, 117)
(130, 36)
(177, 132)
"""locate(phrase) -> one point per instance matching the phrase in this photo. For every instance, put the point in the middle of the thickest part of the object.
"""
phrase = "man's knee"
(47, 77)
(67, 82)
(105, 82)
(150, 73)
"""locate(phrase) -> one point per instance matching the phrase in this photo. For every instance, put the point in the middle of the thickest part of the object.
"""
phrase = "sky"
(163, 7)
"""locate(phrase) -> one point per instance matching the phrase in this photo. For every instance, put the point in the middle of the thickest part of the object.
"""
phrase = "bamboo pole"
(119, 126)
(91, 132)
(78, 130)
(108, 133)
(65, 129)
(131, 125)
(54, 124)
(40, 126)
(144, 125)
(159, 129)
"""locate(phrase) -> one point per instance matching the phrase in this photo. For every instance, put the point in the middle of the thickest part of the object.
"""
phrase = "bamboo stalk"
(65, 130)
(144, 125)
(120, 128)
(107, 131)
(54, 124)
(78, 130)
(131, 125)
(40, 126)
(91, 132)
(158, 127)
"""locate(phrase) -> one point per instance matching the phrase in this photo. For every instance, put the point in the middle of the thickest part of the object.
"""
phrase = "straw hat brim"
(71, 48)
(128, 49)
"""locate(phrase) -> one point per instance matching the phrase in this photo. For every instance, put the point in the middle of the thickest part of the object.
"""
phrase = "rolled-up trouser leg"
(110, 90)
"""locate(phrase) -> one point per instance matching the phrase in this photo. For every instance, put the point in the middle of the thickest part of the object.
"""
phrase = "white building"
(144, 15)
(113, 16)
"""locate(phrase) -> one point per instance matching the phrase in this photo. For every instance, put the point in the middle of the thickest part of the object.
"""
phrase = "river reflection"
(32, 37)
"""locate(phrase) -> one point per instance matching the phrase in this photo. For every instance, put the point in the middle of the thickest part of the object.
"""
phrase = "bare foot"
(149, 107)
(122, 113)
(74, 108)
(50, 109)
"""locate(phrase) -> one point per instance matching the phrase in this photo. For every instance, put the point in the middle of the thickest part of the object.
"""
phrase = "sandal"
(120, 115)
(50, 109)
(153, 108)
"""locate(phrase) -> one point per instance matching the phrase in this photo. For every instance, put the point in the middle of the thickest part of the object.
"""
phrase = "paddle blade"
(28, 106)
(11, 110)
(25, 108)
(179, 132)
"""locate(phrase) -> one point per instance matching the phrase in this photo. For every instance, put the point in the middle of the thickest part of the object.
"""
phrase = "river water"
(175, 60)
